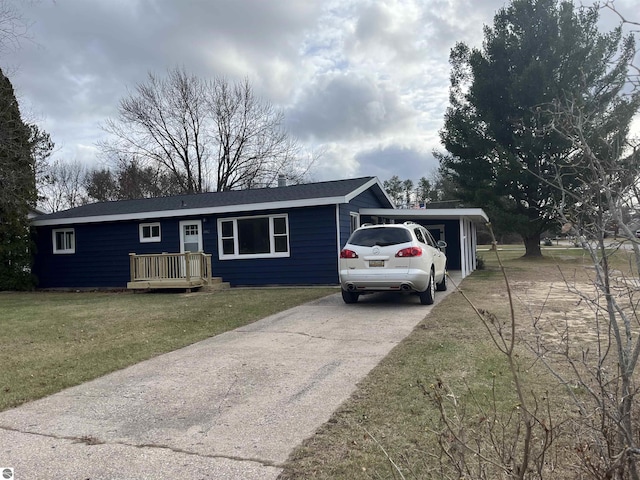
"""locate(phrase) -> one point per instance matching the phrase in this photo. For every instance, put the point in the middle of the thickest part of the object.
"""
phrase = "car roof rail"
(366, 224)
(409, 222)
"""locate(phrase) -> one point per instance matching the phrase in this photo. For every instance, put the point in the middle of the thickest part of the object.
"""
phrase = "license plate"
(376, 263)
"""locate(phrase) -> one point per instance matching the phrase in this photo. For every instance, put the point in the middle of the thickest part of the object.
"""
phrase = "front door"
(191, 241)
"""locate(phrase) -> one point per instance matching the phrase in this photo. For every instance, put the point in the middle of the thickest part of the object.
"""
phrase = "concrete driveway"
(230, 407)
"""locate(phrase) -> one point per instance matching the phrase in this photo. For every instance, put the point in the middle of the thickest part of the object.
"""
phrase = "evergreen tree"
(17, 192)
(394, 188)
(502, 155)
(424, 190)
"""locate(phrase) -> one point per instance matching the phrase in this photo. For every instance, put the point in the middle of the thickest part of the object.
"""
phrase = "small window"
(64, 240)
(280, 235)
(431, 240)
(355, 221)
(150, 232)
(227, 237)
(253, 237)
(419, 236)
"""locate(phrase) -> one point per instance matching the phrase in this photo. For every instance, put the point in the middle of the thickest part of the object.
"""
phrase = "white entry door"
(191, 241)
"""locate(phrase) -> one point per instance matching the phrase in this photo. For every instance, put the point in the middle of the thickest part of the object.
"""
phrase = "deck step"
(215, 285)
(214, 280)
(212, 284)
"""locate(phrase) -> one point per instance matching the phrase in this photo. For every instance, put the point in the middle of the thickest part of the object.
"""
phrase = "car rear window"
(382, 236)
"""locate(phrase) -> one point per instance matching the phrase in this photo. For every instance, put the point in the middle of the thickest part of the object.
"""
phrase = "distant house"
(288, 235)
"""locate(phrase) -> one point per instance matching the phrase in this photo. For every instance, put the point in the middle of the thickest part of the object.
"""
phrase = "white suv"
(396, 257)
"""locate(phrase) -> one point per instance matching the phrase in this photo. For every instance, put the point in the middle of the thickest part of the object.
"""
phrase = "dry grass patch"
(392, 411)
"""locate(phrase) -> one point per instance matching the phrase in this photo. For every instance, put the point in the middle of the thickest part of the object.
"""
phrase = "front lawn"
(50, 341)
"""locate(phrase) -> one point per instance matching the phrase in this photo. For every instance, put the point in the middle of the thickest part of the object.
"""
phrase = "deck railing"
(189, 266)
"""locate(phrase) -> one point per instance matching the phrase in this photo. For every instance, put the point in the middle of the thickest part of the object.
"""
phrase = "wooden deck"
(171, 270)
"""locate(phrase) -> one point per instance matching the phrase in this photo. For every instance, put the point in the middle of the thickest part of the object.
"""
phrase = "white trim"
(338, 228)
(474, 247)
(64, 251)
(352, 216)
(365, 187)
(473, 214)
(464, 249)
(150, 239)
(191, 222)
(338, 239)
(272, 236)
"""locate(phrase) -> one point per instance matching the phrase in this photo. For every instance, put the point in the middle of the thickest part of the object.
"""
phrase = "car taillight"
(346, 253)
(410, 252)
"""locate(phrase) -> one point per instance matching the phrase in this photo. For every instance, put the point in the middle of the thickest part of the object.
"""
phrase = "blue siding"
(102, 252)
(312, 247)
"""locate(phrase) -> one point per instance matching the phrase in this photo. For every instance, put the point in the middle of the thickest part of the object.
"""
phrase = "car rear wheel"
(350, 297)
(442, 285)
(426, 297)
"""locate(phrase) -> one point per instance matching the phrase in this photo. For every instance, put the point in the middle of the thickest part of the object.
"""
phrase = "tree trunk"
(532, 245)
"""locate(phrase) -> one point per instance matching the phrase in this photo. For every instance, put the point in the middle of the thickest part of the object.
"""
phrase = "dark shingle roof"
(213, 200)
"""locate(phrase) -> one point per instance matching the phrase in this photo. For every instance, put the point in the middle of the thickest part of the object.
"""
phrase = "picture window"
(253, 237)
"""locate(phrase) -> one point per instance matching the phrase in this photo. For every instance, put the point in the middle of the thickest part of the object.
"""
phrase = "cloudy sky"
(363, 81)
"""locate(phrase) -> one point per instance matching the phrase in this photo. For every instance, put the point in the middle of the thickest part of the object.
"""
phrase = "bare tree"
(129, 179)
(206, 134)
(64, 186)
(101, 185)
(163, 122)
(491, 444)
(253, 148)
(13, 26)
(608, 169)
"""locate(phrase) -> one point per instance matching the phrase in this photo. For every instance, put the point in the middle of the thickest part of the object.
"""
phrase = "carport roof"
(473, 214)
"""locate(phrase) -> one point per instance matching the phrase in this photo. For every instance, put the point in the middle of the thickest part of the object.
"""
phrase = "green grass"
(50, 341)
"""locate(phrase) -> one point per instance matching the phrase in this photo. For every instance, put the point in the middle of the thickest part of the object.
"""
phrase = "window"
(419, 235)
(381, 236)
(253, 237)
(355, 221)
(430, 239)
(64, 240)
(149, 232)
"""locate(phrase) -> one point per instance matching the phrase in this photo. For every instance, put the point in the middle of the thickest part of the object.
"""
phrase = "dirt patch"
(554, 309)
(572, 313)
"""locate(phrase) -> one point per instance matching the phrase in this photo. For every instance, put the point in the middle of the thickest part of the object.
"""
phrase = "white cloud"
(364, 80)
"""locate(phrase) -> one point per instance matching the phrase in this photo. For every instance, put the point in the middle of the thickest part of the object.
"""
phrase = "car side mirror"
(442, 244)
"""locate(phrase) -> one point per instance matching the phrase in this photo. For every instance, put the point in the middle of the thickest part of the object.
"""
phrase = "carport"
(456, 226)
